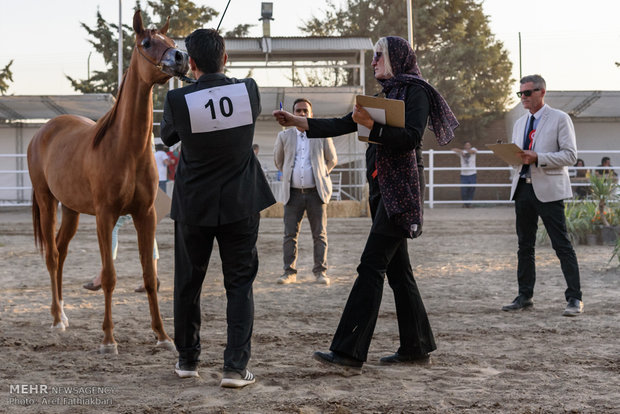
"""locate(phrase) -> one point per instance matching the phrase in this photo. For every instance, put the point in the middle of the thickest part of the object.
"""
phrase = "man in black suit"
(219, 192)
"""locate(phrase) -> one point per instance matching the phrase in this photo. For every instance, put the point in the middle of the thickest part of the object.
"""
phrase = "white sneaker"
(322, 279)
(184, 373)
(287, 278)
(233, 379)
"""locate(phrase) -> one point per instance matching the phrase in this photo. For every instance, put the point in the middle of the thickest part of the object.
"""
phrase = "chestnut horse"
(106, 169)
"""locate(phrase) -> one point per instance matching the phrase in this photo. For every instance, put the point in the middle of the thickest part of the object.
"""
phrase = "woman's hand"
(285, 118)
(362, 117)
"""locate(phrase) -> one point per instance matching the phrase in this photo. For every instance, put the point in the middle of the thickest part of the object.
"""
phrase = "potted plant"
(603, 189)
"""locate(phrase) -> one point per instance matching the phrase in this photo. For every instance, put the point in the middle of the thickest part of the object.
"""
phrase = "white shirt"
(162, 169)
(468, 162)
(302, 169)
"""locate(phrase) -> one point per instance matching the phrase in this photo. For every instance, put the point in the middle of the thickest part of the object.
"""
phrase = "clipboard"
(163, 202)
(394, 112)
(507, 152)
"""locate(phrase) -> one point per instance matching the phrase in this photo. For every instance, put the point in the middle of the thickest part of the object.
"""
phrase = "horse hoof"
(60, 326)
(166, 344)
(108, 349)
(65, 321)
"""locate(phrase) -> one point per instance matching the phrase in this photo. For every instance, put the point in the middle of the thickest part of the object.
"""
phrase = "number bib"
(219, 108)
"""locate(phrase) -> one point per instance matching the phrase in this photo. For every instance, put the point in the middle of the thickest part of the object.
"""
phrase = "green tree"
(457, 53)
(6, 76)
(185, 17)
(241, 30)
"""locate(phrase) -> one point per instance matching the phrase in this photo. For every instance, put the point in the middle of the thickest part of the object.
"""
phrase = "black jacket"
(417, 108)
(219, 179)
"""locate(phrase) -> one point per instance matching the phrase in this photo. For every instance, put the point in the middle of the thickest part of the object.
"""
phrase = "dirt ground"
(487, 360)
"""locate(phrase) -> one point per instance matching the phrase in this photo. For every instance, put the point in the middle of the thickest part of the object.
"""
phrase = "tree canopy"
(6, 76)
(457, 53)
(185, 17)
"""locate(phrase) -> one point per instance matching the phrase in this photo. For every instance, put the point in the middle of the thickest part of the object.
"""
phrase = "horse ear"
(137, 22)
(164, 29)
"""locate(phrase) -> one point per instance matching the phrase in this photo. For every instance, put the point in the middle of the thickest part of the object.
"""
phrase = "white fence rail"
(15, 188)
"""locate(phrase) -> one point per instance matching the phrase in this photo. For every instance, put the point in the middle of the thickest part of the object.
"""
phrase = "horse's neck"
(135, 103)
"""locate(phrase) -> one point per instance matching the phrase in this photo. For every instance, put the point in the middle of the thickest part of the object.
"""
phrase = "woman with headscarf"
(396, 194)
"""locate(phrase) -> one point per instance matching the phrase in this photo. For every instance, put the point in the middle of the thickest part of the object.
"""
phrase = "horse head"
(159, 52)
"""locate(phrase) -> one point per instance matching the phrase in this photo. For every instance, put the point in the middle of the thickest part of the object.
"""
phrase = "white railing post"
(431, 178)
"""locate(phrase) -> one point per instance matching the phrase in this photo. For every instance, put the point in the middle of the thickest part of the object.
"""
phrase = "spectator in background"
(162, 161)
(580, 177)
(307, 188)
(605, 169)
(173, 158)
(467, 154)
(256, 149)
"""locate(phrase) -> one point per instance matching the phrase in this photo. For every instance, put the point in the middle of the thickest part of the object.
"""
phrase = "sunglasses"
(527, 92)
(377, 56)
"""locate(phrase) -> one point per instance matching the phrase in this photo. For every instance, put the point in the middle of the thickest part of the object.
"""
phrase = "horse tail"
(36, 222)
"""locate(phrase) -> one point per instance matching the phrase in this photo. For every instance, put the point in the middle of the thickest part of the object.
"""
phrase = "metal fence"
(17, 191)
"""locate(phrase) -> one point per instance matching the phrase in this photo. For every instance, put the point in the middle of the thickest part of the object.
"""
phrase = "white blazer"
(556, 147)
(322, 157)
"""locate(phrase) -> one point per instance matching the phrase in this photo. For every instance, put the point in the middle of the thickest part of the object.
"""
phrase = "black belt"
(303, 190)
(525, 180)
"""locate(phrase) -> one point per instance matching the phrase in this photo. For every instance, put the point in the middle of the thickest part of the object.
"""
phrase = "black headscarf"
(397, 171)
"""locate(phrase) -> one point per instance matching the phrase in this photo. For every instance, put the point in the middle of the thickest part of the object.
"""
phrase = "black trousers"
(237, 246)
(383, 255)
(528, 208)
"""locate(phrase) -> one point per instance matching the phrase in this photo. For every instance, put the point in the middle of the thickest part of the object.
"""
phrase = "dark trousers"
(192, 249)
(310, 202)
(467, 193)
(383, 255)
(528, 208)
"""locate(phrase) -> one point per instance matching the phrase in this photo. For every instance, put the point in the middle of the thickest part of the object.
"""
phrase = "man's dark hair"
(301, 100)
(207, 48)
(605, 159)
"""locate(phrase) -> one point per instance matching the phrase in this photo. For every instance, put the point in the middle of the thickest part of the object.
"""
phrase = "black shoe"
(424, 359)
(519, 303)
(573, 308)
(350, 365)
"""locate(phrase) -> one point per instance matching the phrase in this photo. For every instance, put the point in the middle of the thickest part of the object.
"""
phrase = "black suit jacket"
(417, 107)
(219, 179)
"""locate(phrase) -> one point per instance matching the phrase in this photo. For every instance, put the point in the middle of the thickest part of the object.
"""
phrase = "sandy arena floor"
(465, 264)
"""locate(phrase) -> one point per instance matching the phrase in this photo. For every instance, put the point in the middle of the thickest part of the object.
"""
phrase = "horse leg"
(46, 205)
(105, 223)
(68, 228)
(145, 227)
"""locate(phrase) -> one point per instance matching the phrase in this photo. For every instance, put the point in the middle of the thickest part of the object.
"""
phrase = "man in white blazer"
(539, 187)
(306, 187)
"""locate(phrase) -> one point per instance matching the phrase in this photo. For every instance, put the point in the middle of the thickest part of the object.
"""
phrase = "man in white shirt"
(467, 154)
(305, 165)
(162, 160)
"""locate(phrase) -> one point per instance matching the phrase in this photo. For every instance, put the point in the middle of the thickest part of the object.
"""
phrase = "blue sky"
(573, 46)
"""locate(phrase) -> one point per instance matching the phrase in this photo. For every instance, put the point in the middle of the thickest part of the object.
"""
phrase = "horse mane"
(105, 121)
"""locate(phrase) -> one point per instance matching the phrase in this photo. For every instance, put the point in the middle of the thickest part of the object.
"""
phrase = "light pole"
(88, 64)
(410, 21)
(120, 43)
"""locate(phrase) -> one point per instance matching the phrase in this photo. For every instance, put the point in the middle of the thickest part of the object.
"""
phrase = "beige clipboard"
(507, 152)
(163, 202)
(394, 110)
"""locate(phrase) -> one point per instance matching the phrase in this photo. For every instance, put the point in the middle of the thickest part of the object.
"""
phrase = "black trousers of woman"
(383, 255)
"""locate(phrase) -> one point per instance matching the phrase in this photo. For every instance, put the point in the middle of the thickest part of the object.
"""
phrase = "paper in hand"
(377, 115)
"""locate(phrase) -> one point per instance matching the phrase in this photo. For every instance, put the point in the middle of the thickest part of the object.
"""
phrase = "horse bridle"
(158, 64)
